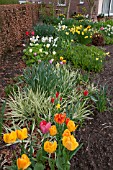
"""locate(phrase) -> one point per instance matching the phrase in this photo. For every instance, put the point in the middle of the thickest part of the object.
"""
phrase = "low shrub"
(3, 2)
(88, 58)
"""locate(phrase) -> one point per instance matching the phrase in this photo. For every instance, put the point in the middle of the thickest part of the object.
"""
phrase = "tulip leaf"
(75, 151)
(39, 166)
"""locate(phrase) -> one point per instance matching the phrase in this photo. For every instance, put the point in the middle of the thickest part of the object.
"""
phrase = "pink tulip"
(45, 126)
(32, 33)
(102, 28)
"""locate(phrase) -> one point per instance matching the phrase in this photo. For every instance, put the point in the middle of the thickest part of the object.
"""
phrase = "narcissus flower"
(58, 106)
(60, 118)
(22, 134)
(23, 162)
(85, 92)
(10, 137)
(50, 147)
(61, 58)
(70, 142)
(45, 126)
(53, 130)
(71, 126)
(66, 133)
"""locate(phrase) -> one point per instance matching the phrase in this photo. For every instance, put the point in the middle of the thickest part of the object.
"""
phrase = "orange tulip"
(23, 162)
(53, 130)
(22, 134)
(10, 137)
(66, 133)
(60, 118)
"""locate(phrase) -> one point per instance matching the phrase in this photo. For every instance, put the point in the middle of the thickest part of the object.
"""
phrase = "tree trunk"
(68, 9)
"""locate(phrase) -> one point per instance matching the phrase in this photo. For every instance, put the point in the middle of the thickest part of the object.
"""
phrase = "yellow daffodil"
(23, 162)
(61, 58)
(97, 59)
(10, 137)
(50, 147)
(86, 37)
(58, 106)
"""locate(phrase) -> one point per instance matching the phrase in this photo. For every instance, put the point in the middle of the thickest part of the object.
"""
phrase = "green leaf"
(39, 166)
(75, 151)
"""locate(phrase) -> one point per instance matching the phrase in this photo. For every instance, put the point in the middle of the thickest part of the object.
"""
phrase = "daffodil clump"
(82, 35)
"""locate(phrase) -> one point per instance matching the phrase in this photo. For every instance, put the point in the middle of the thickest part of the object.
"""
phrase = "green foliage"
(50, 78)
(3, 2)
(45, 30)
(108, 40)
(1, 116)
(101, 97)
(89, 58)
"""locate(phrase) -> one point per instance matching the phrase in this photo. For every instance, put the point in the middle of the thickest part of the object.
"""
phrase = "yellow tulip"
(23, 162)
(22, 134)
(66, 133)
(53, 130)
(70, 142)
(71, 126)
(10, 137)
(50, 147)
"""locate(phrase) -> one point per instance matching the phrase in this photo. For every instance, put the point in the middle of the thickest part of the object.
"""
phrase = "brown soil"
(96, 134)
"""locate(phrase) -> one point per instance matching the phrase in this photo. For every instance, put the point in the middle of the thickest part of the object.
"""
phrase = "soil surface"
(96, 134)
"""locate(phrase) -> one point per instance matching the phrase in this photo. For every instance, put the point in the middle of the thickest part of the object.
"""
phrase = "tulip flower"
(71, 126)
(67, 120)
(70, 142)
(27, 33)
(50, 147)
(85, 92)
(66, 133)
(23, 162)
(32, 33)
(52, 100)
(53, 130)
(10, 137)
(57, 94)
(22, 134)
(60, 118)
(45, 126)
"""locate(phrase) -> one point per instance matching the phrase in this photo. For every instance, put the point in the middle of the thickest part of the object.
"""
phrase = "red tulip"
(52, 100)
(57, 94)
(60, 98)
(67, 120)
(45, 126)
(85, 92)
(27, 33)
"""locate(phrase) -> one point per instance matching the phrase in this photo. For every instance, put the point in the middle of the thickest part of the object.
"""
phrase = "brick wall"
(15, 20)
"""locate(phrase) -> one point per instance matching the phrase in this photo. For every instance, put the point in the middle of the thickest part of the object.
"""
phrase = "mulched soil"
(96, 134)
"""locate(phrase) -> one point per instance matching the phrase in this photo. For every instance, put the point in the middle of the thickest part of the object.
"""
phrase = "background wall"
(15, 20)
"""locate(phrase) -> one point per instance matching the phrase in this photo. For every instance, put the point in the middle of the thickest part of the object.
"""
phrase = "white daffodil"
(48, 45)
(30, 50)
(54, 52)
(40, 50)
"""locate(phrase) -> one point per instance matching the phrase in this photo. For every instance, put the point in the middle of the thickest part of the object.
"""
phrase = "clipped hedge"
(4, 2)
